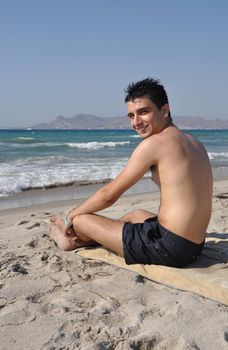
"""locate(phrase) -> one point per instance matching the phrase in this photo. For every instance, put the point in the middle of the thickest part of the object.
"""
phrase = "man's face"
(145, 117)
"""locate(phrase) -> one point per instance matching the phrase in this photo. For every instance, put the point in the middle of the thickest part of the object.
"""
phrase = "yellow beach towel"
(207, 276)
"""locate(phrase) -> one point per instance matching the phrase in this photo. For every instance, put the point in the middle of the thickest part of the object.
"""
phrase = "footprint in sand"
(145, 342)
(3, 303)
(16, 314)
(23, 222)
(35, 224)
(34, 243)
(19, 269)
(226, 336)
(12, 263)
(44, 256)
(31, 226)
(222, 195)
(42, 242)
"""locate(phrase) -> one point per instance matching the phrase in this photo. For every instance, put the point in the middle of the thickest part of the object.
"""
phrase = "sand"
(50, 299)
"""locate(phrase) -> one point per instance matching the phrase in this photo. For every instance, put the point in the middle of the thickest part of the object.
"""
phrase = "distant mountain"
(200, 123)
(85, 121)
(89, 121)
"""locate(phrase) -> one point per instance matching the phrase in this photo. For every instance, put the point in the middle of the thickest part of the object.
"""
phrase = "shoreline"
(66, 193)
(79, 191)
(58, 198)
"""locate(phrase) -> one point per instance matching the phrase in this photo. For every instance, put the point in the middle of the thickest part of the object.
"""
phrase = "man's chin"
(144, 135)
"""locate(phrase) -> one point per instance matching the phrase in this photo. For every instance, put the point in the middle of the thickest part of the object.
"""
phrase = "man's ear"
(165, 110)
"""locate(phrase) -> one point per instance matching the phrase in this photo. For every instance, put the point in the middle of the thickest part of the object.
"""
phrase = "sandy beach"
(50, 299)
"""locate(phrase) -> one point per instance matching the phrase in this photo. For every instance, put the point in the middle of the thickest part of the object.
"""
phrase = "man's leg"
(91, 228)
(137, 216)
(105, 231)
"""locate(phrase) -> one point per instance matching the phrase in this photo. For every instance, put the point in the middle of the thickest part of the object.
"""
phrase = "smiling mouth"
(142, 130)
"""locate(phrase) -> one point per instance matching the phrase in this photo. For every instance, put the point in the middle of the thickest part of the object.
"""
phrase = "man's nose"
(136, 121)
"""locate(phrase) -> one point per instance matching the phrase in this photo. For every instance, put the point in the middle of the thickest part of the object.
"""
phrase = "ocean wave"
(32, 145)
(37, 162)
(215, 155)
(135, 136)
(25, 138)
(97, 145)
(23, 183)
(18, 176)
(54, 171)
(83, 145)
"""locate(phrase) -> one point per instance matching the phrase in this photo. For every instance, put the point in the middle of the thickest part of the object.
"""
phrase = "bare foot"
(57, 233)
(61, 224)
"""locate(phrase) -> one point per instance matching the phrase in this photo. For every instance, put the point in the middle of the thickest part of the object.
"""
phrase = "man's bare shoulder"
(149, 147)
(168, 142)
(170, 134)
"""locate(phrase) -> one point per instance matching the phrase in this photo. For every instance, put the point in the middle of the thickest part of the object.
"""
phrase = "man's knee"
(79, 221)
(80, 224)
(137, 215)
(139, 212)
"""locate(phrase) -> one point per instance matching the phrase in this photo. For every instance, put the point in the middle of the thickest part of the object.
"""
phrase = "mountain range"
(89, 121)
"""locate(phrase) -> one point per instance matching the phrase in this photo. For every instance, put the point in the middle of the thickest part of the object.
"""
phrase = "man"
(179, 166)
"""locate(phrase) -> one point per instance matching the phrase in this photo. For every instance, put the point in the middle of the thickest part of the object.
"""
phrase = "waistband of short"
(173, 239)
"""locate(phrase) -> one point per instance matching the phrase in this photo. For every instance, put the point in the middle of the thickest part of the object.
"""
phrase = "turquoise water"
(40, 159)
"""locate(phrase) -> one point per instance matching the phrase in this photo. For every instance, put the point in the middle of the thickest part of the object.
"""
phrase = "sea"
(33, 159)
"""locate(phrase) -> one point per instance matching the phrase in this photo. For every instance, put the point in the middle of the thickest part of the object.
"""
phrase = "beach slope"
(51, 299)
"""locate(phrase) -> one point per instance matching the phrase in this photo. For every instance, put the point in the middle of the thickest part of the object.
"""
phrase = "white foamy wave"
(214, 155)
(39, 161)
(97, 145)
(83, 145)
(18, 176)
(24, 138)
(34, 145)
(135, 136)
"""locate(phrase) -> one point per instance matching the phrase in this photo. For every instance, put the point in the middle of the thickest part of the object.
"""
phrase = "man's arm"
(140, 161)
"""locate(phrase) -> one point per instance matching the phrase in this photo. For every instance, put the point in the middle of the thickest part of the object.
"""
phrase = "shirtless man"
(180, 167)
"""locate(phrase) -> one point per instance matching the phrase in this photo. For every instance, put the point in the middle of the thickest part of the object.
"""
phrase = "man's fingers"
(69, 233)
(70, 227)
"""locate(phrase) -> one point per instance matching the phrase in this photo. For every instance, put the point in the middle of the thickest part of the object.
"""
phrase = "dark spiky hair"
(150, 88)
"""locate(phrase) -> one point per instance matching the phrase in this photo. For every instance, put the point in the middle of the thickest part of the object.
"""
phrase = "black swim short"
(151, 243)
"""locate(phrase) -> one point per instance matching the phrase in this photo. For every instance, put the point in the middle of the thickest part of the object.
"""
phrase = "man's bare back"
(180, 167)
(184, 176)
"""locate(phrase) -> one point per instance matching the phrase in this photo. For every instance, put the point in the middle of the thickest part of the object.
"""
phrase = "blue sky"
(68, 57)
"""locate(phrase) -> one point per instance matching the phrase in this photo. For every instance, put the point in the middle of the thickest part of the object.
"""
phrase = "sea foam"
(97, 145)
